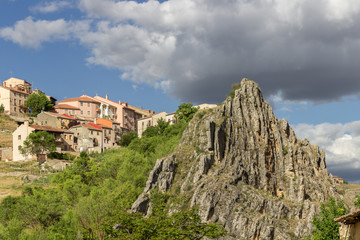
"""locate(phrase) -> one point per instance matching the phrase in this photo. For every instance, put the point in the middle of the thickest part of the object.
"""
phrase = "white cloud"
(49, 7)
(197, 48)
(30, 33)
(341, 143)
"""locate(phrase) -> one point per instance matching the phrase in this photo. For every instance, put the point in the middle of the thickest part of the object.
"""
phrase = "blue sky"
(303, 54)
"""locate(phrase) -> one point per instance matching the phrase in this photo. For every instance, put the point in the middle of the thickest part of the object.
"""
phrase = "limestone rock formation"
(245, 169)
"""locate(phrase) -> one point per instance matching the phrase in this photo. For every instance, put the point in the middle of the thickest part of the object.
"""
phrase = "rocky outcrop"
(244, 168)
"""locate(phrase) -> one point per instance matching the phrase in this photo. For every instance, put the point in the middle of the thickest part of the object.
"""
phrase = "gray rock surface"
(244, 168)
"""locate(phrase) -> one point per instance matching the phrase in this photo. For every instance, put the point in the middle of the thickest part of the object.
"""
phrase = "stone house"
(64, 139)
(87, 138)
(349, 225)
(55, 120)
(152, 120)
(88, 106)
(114, 126)
(13, 94)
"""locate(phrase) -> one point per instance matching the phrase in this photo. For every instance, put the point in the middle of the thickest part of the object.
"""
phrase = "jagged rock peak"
(246, 169)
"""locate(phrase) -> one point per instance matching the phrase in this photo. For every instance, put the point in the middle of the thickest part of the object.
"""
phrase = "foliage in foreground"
(93, 195)
(324, 225)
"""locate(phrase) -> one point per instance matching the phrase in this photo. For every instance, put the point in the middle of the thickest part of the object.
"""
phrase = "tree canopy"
(38, 102)
(185, 112)
(38, 143)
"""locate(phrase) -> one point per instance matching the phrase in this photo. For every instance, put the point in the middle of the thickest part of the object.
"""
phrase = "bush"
(234, 87)
(324, 225)
(126, 139)
(64, 156)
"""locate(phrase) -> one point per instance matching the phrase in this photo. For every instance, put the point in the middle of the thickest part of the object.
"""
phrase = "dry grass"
(10, 176)
(7, 127)
(350, 192)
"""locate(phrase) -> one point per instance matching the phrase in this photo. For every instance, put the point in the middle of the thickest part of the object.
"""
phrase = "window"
(70, 137)
(81, 112)
(64, 136)
(92, 132)
(88, 112)
(19, 102)
(98, 133)
(81, 104)
(19, 137)
(73, 111)
(88, 104)
(66, 111)
(42, 123)
(15, 109)
(45, 122)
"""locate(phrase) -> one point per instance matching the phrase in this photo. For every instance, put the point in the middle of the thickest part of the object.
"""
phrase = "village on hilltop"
(85, 123)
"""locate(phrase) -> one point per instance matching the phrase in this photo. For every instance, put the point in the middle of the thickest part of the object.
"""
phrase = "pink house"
(118, 112)
(87, 106)
(67, 109)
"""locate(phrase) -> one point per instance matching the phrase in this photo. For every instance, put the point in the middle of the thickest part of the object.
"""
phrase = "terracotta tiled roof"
(58, 115)
(65, 106)
(350, 218)
(105, 122)
(68, 116)
(79, 99)
(15, 90)
(86, 126)
(49, 129)
(94, 125)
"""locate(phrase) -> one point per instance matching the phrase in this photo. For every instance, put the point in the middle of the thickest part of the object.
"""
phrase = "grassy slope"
(7, 127)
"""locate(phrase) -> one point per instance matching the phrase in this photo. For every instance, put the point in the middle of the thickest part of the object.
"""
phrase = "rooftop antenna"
(11, 74)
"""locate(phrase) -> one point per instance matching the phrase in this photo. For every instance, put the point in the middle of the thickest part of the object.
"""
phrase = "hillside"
(244, 168)
(7, 127)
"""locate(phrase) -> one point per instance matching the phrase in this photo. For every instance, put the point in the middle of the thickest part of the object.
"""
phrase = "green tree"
(2, 108)
(37, 103)
(38, 143)
(324, 225)
(126, 139)
(185, 112)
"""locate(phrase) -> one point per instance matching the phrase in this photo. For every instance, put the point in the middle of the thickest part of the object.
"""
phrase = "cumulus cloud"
(31, 33)
(341, 143)
(304, 50)
(49, 7)
(300, 50)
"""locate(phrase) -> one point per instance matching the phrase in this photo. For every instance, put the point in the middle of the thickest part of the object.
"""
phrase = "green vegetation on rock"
(91, 198)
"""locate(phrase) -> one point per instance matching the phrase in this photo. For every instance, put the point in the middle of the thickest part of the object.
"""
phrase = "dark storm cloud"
(195, 49)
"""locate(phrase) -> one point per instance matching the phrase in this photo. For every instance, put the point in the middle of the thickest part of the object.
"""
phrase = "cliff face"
(246, 169)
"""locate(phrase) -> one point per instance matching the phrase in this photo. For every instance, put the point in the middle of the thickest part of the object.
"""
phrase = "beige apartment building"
(87, 138)
(13, 94)
(146, 122)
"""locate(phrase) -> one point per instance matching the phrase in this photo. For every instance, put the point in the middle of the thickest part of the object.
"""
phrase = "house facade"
(13, 100)
(87, 138)
(67, 109)
(146, 122)
(88, 106)
(64, 139)
(56, 120)
(349, 225)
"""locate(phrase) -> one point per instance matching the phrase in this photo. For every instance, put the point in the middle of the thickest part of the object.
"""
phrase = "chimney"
(107, 97)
